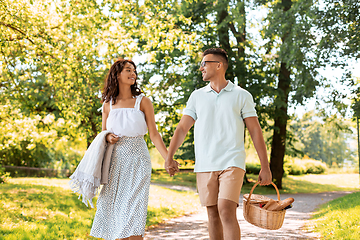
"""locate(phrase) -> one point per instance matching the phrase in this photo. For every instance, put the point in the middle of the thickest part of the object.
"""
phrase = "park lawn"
(34, 209)
(187, 179)
(301, 184)
(339, 218)
(344, 180)
(291, 184)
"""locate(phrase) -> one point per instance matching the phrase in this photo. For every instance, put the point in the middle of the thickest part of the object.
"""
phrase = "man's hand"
(171, 166)
(265, 176)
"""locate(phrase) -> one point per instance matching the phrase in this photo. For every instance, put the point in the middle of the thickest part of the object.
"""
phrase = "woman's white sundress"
(122, 203)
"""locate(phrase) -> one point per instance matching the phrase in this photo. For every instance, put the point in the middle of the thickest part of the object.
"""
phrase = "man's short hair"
(218, 52)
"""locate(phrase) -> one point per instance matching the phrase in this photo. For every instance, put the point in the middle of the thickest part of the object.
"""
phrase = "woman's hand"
(171, 166)
(112, 138)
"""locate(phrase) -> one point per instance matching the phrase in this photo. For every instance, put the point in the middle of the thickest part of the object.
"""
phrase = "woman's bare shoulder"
(106, 107)
(145, 103)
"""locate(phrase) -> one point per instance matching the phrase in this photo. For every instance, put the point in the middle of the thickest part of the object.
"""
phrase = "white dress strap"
(102, 107)
(137, 102)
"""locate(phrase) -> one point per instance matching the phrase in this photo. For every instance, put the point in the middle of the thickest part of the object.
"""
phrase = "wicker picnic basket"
(258, 216)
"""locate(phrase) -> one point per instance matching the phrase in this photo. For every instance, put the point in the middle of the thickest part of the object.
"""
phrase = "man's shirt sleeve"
(248, 109)
(190, 109)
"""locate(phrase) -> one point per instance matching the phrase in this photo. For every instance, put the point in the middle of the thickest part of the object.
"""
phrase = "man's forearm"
(176, 141)
(260, 147)
(258, 140)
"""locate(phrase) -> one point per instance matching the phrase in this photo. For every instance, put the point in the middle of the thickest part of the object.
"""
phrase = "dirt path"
(195, 226)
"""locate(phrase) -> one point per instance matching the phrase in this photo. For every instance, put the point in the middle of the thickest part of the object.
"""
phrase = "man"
(219, 112)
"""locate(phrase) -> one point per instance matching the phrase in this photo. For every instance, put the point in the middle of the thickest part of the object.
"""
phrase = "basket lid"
(255, 198)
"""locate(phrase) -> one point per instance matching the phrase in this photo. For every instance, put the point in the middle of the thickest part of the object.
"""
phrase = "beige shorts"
(225, 184)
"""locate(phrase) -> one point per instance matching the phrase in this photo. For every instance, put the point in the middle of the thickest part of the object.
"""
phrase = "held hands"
(171, 166)
(112, 138)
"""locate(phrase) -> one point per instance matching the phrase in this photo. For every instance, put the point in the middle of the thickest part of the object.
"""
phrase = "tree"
(289, 41)
(339, 31)
(326, 139)
(214, 24)
(54, 56)
(356, 108)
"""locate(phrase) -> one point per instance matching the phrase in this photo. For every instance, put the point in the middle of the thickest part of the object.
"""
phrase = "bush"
(38, 141)
(294, 168)
(3, 175)
(253, 168)
(304, 166)
(314, 166)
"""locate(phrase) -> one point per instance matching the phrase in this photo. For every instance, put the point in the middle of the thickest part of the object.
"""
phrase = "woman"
(127, 114)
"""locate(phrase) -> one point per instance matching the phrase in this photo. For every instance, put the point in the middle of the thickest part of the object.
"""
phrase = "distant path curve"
(194, 226)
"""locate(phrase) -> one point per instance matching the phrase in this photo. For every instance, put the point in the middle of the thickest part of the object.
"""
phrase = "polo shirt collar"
(228, 87)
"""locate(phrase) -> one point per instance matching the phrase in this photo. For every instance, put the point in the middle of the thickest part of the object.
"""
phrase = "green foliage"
(35, 141)
(253, 168)
(297, 166)
(294, 168)
(339, 218)
(315, 167)
(324, 139)
(54, 57)
(340, 32)
(356, 100)
(3, 175)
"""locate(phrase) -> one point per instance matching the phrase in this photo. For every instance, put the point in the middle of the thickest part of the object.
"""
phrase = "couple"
(218, 111)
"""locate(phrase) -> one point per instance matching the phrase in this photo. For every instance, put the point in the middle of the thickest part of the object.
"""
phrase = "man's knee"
(227, 209)
(213, 212)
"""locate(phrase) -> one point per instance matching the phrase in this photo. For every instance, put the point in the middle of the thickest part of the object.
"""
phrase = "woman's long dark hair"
(111, 85)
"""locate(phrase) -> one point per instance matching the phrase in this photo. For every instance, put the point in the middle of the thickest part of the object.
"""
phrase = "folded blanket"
(93, 169)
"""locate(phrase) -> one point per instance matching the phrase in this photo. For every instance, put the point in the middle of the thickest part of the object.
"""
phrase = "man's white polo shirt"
(219, 126)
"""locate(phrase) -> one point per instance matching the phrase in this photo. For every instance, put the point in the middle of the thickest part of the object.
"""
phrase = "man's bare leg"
(214, 225)
(227, 213)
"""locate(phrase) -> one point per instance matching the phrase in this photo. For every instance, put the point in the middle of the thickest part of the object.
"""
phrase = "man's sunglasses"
(203, 64)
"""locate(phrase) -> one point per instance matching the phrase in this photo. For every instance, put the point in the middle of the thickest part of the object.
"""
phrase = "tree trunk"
(358, 139)
(223, 35)
(240, 36)
(278, 145)
(279, 136)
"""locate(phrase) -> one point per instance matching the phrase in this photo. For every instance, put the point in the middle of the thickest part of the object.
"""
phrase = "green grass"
(165, 204)
(42, 208)
(42, 212)
(31, 208)
(344, 180)
(182, 178)
(339, 219)
(292, 184)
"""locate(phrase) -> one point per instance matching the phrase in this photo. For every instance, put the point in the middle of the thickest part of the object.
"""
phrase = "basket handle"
(257, 183)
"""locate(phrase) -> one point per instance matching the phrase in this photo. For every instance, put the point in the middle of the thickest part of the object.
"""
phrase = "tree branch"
(237, 35)
(17, 30)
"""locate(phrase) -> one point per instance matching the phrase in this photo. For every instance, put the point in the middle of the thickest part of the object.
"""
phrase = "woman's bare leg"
(139, 237)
